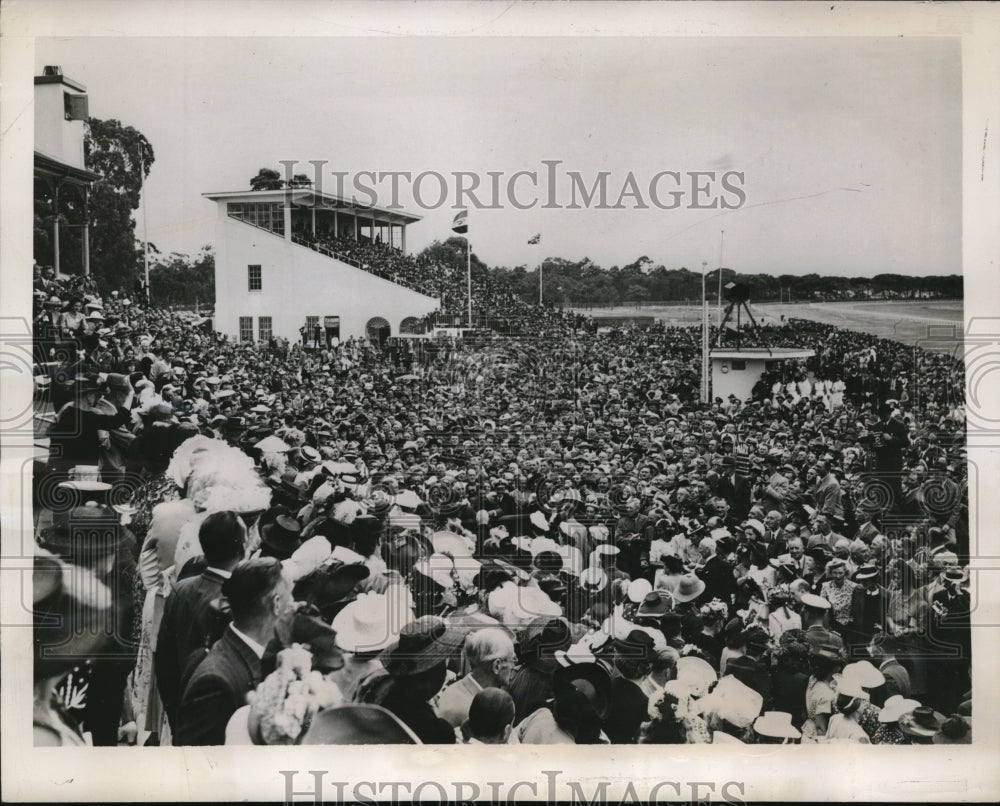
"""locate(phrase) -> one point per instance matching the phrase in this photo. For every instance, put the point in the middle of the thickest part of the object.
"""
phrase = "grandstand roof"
(763, 352)
(309, 197)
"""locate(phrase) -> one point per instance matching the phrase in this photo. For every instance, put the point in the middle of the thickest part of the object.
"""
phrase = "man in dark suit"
(191, 624)
(258, 595)
(897, 678)
(869, 606)
(751, 669)
(735, 489)
(716, 573)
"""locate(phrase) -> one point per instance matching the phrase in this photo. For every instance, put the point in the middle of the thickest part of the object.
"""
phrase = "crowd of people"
(535, 539)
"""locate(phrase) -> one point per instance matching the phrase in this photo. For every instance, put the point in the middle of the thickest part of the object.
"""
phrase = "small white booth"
(735, 372)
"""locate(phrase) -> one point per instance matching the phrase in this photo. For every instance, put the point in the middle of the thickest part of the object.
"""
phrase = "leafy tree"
(297, 181)
(177, 280)
(268, 179)
(119, 154)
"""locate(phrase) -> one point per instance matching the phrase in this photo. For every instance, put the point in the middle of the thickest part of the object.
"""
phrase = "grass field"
(936, 325)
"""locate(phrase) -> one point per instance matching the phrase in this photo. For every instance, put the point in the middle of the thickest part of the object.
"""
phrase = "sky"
(850, 148)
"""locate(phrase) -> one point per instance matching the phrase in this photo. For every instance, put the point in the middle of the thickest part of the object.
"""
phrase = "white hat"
(272, 444)
(539, 521)
(451, 543)
(370, 623)
(593, 579)
(864, 674)
(540, 544)
(696, 674)
(638, 589)
(408, 499)
(437, 567)
(817, 602)
(776, 724)
(895, 707)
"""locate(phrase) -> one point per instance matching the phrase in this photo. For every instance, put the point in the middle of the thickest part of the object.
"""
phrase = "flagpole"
(468, 274)
(722, 239)
(145, 221)
(704, 339)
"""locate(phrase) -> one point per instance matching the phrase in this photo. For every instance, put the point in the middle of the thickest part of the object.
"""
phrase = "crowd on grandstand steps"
(540, 539)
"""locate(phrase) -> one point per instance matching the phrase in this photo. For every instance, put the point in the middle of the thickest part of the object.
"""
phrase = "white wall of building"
(727, 380)
(54, 135)
(298, 282)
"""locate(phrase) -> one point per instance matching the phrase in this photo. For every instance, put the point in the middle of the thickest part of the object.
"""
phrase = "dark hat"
(305, 626)
(422, 644)
(358, 724)
(954, 730)
(866, 572)
(71, 609)
(329, 588)
(589, 681)
(637, 645)
(756, 637)
(654, 606)
(922, 722)
(85, 534)
(281, 537)
(540, 640)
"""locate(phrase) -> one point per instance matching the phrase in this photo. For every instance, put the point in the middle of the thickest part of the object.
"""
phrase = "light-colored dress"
(844, 729)
(820, 697)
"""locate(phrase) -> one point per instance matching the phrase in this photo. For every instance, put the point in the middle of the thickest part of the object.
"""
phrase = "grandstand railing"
(344, 258)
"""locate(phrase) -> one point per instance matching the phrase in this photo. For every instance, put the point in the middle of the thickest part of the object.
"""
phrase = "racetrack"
(934, 324)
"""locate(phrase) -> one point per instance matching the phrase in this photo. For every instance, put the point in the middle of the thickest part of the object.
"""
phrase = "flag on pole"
(536, 239)
(460, 224)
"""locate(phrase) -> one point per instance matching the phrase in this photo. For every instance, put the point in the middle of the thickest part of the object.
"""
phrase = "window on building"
(246, 328)
(738, 363)
(265, 215)
(254, 281)
(264, 328)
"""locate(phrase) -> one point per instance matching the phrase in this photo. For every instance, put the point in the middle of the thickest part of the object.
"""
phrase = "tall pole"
(145, 221)
(539, 283)
(704, 334)
(468, 274)
(721, 240)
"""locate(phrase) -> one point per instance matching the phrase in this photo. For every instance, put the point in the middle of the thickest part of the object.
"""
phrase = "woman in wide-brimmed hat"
(775, 727)
(921, 724)
(843, 725)
(892, 710)
(417, 665)
(70, 606)
(575, 714)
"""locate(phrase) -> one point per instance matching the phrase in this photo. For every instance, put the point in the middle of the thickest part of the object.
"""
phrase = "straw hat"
(370, 623)
(894, 707)
(864, 674)
(922, 722)
(777, 725)
(689, 588)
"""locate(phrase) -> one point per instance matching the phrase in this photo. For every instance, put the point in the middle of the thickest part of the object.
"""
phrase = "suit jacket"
(218, 686)
(897, 681)
(827, 497)
(629, 709)
(188, 628)
(719, 580)
(454, 702)
(736, 491)
(867, 611)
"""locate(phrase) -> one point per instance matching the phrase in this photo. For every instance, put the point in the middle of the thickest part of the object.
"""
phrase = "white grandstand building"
(272, 278)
